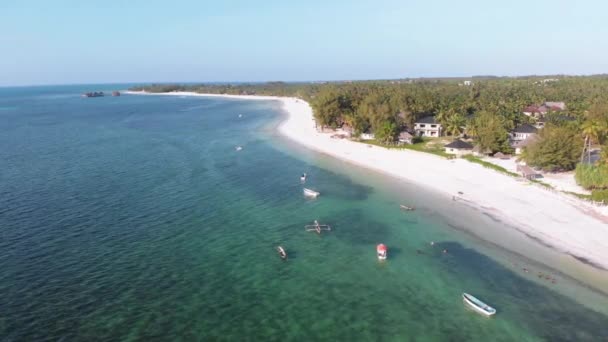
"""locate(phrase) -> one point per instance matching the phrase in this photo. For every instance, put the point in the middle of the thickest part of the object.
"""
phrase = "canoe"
(282, 252)
(478, 305)
(311, 193)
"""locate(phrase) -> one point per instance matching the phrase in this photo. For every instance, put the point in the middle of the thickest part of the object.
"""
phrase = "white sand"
(565, 222)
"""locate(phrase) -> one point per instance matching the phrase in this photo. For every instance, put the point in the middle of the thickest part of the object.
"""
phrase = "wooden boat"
(282, 252)
(317, 227)
(382, 251)
(311, 193)
(478, 305)
(93, 94)
(405, 207)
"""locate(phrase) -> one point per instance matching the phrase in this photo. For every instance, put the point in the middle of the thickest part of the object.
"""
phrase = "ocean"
(136, 218)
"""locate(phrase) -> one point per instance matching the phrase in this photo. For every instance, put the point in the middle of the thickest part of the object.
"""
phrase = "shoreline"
(561, 222)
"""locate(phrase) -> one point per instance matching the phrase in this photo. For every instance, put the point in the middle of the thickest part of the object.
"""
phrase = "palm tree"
(592, 131)
(455, 125)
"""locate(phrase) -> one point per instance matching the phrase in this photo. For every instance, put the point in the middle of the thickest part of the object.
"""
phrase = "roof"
(427, 120)
(405, 135)
(459, 145)
(525, 128)
(556, 105)
(535, 109)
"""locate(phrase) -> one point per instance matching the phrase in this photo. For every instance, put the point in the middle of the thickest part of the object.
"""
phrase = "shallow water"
(135, 218)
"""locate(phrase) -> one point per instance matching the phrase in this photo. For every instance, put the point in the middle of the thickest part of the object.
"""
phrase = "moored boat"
(311, 193)
(282, 252)
(382, 251)
(303, 177)
(478, 305)
(115, 93)
(93, 94)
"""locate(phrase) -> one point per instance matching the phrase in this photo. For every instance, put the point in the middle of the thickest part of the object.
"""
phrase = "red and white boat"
(382, 251)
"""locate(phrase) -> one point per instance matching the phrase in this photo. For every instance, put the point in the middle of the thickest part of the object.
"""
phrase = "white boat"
(282, 252)
(405, 207)
(478, 305)
(303, 177)
(382, 251)
(311, 193)
(238, 148)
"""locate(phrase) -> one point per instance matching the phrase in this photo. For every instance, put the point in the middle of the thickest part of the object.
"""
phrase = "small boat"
(282, 252)
(115, 93)
(238, 148)
(317, 227)
(478, 305)
(405, 207)
(311, 193)
(382, 251)
(240, 115)
(93, 94)
(303, 177)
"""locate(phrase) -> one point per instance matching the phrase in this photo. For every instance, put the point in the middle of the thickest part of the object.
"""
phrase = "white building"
(459, 148)
(427, 127)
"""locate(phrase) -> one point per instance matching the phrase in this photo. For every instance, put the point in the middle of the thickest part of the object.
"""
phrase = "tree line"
(484, 111)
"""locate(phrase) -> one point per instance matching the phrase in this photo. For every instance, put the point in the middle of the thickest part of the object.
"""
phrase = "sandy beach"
(558, 220)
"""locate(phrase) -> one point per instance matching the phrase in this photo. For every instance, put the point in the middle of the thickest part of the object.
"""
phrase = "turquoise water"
(134, 218)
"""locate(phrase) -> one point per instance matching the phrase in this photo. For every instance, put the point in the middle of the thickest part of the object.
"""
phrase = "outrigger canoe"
(478, 305)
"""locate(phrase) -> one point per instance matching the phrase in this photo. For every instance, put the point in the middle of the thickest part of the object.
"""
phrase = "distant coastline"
(563, 222)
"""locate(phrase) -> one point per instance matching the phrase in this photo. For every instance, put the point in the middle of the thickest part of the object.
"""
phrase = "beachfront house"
(539, 112)
(405, 138)
(535, 111)
(522, 136)
(522, 132)
(427, 127)
(459, 148)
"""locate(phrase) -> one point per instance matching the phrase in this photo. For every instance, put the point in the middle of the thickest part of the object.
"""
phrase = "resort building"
(540, 111)
(459, 148)
(535, 111)
(519, 146)
(427, 127)
(405, 138)
(522, 132)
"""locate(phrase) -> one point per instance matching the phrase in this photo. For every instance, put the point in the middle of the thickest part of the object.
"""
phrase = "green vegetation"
(485, 111)
(557, 149)
(592, 176)
(599, 196)
(427, 146)
(498, 168)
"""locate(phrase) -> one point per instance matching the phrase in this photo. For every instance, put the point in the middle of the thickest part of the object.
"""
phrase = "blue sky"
(62, 42)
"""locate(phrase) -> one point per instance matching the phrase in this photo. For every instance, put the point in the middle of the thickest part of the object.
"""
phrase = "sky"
(68, 42)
